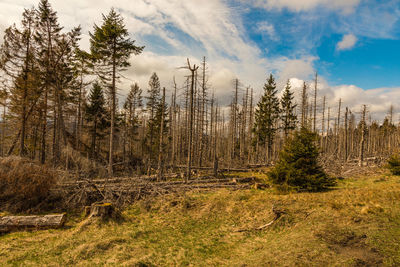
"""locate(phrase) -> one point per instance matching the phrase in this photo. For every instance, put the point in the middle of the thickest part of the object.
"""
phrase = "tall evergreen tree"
(47, 34)
(111, 48)
(288, 116)
(66, 81)
(18, 62)
(95, 114)
(155, 110)
(266, 115)
(132, 103)
(82, 66)
(153, 98)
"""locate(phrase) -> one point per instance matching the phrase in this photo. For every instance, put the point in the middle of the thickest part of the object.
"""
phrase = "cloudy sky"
(354, 45)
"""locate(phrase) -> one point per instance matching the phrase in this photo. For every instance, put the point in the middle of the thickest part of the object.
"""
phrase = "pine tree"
(111, 48)
(266, 115)
(95, 114)
(132, 103)
(153, 102)
(298, 166)
(156, 110)
(82, 66)
(288, 117)
(47, 36)
(393, 164)
(18, 62)
(66, 82)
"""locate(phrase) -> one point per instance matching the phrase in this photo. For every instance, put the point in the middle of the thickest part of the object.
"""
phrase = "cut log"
(12, 223)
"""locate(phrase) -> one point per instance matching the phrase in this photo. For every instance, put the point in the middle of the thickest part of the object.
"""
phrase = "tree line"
(57, 97)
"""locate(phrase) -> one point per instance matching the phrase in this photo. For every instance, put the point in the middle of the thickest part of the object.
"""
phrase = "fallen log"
(12, 223)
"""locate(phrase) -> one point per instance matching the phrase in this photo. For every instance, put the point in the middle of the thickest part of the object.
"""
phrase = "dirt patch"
(350, 245)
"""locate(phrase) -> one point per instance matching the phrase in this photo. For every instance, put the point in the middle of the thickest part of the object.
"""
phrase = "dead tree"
(193, 71)
(160, 148)
(304, 105)
(362, 142)
(315, 102)
(323, 124)
(346, 134)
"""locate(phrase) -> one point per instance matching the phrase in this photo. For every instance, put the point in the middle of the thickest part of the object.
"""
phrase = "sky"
(354, 45)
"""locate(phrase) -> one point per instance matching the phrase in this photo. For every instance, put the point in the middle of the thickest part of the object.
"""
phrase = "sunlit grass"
(357, 223)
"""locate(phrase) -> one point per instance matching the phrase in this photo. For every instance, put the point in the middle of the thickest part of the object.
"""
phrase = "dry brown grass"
(83, 166)
(357, 224)
(23, 183)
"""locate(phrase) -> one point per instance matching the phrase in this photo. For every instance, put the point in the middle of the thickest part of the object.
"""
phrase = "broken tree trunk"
(11, 223)
(103, 210)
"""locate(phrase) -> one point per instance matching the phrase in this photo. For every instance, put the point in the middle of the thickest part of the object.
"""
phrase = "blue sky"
(374, 59)
(354, 45)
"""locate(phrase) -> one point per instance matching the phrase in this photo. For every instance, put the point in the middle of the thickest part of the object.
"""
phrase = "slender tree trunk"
(160, 148)
(346, 132)
(113, 110)
(189, 156)
(323, 124)
(362, 143)
(44, 128)
(315, 102)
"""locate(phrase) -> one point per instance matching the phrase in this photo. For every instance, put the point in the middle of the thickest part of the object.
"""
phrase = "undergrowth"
(357, 224)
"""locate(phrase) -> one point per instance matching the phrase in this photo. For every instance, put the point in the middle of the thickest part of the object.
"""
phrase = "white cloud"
(378, 101)
(267, 29)
(187, 29)
(346, 6)
(348, 42)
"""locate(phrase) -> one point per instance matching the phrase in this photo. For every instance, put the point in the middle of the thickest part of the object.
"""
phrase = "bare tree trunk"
(304, 105)
(327, 131)
(44, 129)
(215, 167)
(361, 156)
(315, 102)
(113, 110)
(189, 157)
(346, 133)
(251, 120)
(323, 124)
(160, 148)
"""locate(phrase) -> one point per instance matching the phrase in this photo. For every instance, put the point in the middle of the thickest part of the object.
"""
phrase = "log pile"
(121, 191)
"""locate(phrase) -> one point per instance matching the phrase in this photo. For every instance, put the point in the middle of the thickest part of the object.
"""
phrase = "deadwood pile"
(122, 191)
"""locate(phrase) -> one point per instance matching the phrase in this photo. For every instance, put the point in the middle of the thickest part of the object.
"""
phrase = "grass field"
(356, 224)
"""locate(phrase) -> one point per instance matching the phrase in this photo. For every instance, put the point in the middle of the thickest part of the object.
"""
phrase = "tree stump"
(103, 210)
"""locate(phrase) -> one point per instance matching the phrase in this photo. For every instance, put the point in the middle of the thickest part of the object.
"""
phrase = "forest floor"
(355, 224)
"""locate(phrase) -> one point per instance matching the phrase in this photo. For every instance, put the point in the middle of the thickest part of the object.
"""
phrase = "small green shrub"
(298, 168)
(393, 164)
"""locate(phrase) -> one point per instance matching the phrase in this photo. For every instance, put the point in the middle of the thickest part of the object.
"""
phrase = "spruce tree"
(298, 166)
(288, 116)
(111, 49)
(266, 116)
(47, 36)
(18, 62)
(132, 103)
(95, 114)
(155, 110)
(65, 84)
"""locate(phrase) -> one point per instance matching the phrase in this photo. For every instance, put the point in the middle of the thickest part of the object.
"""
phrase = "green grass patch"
(358, 223)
